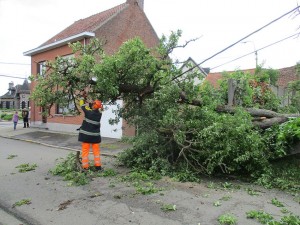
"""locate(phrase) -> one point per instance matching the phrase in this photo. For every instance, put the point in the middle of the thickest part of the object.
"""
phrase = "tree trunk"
(262, 118)
(267, 123)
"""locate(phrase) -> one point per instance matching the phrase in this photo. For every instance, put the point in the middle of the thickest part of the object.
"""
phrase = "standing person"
(25, 117)
(89, 133)
(15, 120)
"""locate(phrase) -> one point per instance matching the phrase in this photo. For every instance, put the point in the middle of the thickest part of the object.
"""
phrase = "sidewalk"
(67, 141)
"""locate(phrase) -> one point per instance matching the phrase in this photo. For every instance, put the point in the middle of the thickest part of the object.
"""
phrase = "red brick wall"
(127, 130)
(128, 24)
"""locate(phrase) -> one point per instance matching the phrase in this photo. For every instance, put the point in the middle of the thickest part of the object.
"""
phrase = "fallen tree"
(179, 125)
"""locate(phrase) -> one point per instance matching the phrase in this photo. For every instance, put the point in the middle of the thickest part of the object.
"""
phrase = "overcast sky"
(25, 24)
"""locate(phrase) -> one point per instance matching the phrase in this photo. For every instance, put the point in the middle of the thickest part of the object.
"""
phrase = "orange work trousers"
(85, 154)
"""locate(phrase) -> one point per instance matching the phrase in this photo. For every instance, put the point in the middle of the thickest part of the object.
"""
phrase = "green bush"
(221, 143)
(280, 139)
(7, 117)
(2, 115)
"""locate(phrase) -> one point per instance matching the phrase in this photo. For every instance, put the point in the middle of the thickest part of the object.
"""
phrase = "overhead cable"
(268, 24)
(256, 50)
(3, 75)
(21, 64)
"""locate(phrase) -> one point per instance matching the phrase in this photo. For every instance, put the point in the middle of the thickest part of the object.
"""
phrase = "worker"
(25, 117)
(89, 133)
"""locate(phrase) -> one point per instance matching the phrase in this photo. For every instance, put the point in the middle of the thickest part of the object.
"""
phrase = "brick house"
(17, 96)
(115, 26)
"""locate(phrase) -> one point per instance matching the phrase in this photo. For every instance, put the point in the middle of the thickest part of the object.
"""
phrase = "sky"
(26, 24)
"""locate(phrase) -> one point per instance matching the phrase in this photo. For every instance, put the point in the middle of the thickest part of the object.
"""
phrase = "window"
(65, 109)
(66, 60)
(41, 70)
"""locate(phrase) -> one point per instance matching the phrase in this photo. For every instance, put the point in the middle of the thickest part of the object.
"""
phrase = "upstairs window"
(67, 61)
(41, 70)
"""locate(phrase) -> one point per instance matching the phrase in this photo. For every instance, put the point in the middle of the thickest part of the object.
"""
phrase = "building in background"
(191, 67)
(17, 97)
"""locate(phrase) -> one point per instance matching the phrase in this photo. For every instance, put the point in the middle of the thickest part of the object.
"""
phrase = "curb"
(53, 146)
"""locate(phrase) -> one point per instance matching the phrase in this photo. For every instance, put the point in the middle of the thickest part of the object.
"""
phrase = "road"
(31, 185)
(107, 200)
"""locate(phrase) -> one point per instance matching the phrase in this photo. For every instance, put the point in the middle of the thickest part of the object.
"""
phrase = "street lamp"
(255, 51)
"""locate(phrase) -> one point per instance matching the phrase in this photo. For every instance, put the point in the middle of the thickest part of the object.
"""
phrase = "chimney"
(10, 85)
(140, 3)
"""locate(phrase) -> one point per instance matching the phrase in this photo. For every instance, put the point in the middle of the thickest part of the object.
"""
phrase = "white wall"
(107, 130)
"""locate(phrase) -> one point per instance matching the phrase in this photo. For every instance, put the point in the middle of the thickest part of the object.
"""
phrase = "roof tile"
(287, 75)
(86, 25)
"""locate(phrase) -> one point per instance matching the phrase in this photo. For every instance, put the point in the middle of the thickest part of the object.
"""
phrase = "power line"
(255, 51)
(21, 64)
(249, 35)
(268, 24)
(3, 75)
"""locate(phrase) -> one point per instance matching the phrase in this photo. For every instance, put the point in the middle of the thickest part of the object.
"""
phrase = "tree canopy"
(180, 125)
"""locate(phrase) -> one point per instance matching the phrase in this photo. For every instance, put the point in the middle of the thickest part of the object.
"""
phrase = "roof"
(89, 24)
(20, 88)
(203, 70)
(287, 75)
(8, 95)
(24, 88)
(214, 77)
(57, 44)
(84, 28)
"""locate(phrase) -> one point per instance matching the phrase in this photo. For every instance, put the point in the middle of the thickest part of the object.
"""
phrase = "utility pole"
(255, 51)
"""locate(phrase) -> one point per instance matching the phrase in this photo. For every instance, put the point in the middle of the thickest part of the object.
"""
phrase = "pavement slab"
(68, 141)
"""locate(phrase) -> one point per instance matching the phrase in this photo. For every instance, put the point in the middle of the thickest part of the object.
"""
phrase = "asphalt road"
(107, 200)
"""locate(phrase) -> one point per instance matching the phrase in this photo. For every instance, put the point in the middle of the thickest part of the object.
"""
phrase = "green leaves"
(266, 218)
(26, 167)
(22, 202)
(168, 207)
(227, 219)
(68, 170)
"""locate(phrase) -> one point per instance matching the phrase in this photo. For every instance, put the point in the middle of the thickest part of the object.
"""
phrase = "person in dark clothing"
(89, 133)
(25, 117)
